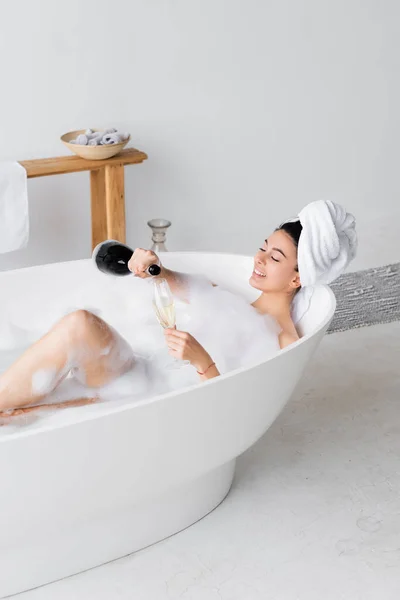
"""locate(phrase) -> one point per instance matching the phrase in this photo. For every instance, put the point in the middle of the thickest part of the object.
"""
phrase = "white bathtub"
(78, 495)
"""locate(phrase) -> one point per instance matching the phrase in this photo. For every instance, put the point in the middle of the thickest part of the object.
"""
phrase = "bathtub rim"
(90, 260)
(159, 397)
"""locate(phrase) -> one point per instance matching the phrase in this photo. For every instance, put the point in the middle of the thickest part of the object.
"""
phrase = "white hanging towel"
(14, 214)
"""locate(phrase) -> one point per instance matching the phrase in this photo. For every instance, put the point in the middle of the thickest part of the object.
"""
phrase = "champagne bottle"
(112, 257)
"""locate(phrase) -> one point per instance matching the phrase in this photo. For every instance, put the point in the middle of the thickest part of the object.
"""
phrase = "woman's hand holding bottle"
(140, 262)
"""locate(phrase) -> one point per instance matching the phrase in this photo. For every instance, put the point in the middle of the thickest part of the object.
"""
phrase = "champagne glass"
(163, 302)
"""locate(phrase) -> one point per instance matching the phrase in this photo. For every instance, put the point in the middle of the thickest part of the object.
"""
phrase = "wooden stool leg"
(98, 206)
(115, 202)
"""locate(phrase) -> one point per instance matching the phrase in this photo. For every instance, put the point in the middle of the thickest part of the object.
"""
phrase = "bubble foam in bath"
(229, 328)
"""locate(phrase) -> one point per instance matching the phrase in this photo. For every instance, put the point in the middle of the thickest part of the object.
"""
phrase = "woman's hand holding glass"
(184, 346)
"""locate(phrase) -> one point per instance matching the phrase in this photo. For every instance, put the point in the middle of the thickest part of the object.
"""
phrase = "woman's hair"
(294, 229)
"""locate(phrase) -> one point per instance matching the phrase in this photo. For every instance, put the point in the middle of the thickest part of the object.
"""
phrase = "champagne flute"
(163, 302)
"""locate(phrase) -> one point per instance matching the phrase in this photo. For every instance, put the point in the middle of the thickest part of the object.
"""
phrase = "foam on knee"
(44, 381)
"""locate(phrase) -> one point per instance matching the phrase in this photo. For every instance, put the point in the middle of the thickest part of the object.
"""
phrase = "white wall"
(248, 109)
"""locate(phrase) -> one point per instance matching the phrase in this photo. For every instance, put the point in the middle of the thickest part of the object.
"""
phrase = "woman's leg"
(9, 415)
(81, 342)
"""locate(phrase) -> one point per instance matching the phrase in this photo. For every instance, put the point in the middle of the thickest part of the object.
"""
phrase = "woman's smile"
(258, 273)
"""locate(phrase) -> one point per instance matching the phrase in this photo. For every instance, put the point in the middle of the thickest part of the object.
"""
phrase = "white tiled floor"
(314, 513)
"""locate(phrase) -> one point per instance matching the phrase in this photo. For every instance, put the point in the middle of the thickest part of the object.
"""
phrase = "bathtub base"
(72, 551)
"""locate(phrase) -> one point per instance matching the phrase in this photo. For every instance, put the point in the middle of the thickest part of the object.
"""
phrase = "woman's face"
(275, 265)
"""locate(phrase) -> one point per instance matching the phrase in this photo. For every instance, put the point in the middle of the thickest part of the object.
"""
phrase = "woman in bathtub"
(84, 344)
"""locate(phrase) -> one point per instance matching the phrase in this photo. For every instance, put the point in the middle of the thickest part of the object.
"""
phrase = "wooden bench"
(107, 188)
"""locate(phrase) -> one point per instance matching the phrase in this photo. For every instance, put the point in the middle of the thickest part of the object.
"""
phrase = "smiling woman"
(281, 248)
(86, 347)
(276, 275)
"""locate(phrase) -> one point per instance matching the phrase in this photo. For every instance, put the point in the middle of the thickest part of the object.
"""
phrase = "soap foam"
(227, 326)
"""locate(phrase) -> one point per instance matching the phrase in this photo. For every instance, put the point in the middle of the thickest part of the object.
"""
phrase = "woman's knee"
(77, 324)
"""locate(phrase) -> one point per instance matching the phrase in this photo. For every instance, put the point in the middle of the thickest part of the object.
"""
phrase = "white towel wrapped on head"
(327, 244)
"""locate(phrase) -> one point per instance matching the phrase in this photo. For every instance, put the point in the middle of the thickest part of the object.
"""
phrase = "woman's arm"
(184, 346)
(210, 373)
(178, 282)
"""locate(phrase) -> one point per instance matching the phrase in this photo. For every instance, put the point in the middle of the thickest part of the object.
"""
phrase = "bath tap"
(112, 257)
